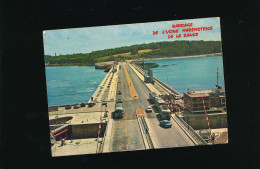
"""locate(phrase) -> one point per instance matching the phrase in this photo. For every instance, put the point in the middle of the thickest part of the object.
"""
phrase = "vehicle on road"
(68, 106)
(119, 100)
(104, 102)
(160, 104)
(119, 92)
(77, 106)
(119, 110)
(165, 124)
(83, 104)
(149, 109)
(91, 104)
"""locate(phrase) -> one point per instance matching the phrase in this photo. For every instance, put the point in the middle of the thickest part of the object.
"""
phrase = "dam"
(89, 128)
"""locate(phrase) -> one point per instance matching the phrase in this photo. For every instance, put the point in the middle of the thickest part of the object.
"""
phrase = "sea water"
(76, 84)
(72, 84)
(190, 73)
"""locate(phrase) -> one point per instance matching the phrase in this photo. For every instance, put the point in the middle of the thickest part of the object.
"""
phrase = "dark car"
(83, 104)
(77, 106)
(119, 92)
(68, 106)
(104, 102)
(91, 104)
(119, 100)
(165, 124)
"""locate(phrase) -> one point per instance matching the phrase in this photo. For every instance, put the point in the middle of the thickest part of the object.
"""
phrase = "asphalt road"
(171, 137)
(126, 133)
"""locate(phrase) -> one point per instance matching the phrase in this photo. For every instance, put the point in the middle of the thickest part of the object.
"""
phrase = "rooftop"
(203, 93)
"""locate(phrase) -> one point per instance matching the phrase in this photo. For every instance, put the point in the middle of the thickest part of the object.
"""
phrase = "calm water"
(72, 84)
(76, 84)
(190, 73)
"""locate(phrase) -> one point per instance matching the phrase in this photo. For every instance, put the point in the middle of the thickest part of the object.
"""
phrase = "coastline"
(182, 57)
(147, 59)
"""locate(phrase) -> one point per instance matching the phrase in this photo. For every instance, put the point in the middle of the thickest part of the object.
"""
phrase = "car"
(91, 104)
(119, 100)
(165, 124)
(68, 106)
(104, 102)
(77, 106)
(83, 104)
(119, 92)
(149, 109)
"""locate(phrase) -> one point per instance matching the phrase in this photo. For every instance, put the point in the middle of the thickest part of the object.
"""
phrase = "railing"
(160, 83)
(103, 139)
(147, 134)
(195, 135)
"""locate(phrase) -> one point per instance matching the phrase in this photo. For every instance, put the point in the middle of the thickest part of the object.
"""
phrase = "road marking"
(130, 84)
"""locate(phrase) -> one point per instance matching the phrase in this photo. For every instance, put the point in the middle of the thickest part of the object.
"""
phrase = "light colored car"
(149, 109)
(77, 106)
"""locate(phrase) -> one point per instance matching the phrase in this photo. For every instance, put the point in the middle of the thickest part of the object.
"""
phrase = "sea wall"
(198, 122)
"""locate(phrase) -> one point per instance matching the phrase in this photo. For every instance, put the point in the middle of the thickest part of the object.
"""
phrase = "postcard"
(135, 87)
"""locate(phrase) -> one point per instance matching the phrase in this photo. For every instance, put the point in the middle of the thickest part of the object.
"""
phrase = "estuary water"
(72, 84)
(190, 73)
(76, 84)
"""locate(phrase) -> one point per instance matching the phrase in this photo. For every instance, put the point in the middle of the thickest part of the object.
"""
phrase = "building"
(148, 76)
(213, 99)
(114, 68)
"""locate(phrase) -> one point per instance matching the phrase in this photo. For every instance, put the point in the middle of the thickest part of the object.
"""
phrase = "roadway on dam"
(126, 134)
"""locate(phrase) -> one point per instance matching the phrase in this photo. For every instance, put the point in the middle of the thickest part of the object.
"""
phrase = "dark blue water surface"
(190, 73)
(72, 84)
(76, 84)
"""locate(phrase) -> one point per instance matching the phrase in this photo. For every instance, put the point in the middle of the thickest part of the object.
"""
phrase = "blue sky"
(85, 40)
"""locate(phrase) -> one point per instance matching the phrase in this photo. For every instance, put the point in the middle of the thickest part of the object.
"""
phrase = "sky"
(88, 39)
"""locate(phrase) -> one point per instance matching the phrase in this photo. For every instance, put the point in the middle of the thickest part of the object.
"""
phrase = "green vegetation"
(151, 50)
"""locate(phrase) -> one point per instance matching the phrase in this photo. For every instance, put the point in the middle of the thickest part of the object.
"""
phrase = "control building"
(213, 99)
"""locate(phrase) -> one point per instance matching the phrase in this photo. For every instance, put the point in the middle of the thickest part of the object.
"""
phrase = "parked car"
(91, 104)
(104, 102)
(83, 104)
(149, 109)
(68, 106)
(119, 100)
(77, 106)
(165, 124)
(119, 92)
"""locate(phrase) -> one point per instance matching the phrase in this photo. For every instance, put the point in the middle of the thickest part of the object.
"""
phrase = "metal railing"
(103, 139)
(160, 83)
(147, 134)
(191, 131)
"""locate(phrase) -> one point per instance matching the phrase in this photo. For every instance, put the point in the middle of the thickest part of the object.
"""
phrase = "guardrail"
(195, 135)
(160, 83)
(147, 134)
(103, 139)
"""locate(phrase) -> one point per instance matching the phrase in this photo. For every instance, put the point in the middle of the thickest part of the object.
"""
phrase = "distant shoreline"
(148, 59)
(181, 57)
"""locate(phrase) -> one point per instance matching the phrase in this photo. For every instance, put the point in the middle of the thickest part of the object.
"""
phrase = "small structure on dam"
(205, 112)
(148, 76)
(103, 65)
(213, 99)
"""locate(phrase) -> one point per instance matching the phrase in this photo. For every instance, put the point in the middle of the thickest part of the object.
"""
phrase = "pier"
(93, 129)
